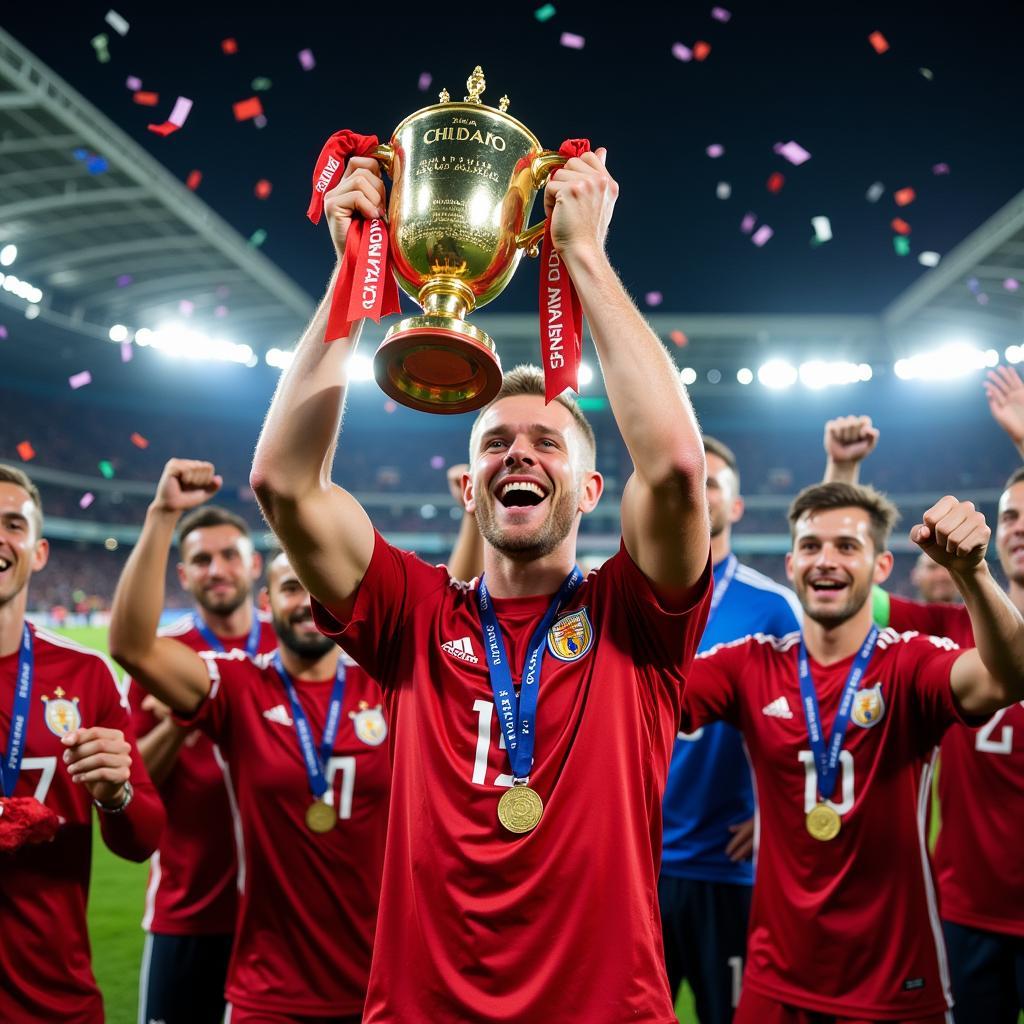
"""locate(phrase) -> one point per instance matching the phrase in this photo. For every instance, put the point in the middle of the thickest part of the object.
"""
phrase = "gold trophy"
(464, 176)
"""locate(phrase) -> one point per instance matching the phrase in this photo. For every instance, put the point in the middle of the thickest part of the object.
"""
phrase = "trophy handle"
(385, 155)
(540, 170)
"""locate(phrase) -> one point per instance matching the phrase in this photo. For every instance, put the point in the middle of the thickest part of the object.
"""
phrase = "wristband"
(120, 808)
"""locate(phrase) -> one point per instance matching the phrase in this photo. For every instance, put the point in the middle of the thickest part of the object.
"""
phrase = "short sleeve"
(213, 716)
(927, 661)
(711, 693)
(396, 581)
(142, 721)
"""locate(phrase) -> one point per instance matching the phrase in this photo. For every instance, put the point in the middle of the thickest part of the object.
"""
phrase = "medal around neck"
(520, 809)
(823, 822)
(320, 817)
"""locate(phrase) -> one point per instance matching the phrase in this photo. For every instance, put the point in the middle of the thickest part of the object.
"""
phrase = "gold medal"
(823, 822)
(320, 817)
(520, 809)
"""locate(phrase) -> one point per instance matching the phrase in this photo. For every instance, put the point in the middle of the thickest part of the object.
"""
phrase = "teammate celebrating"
(191, 899)
(301, 737)
(841, 724)
(706, 872)
(520, 879)
(67, 743)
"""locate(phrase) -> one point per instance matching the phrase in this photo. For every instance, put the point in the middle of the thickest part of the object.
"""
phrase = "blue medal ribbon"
(314, 759)
(517, 714)
(19, 714)
(252, 645)
(826, 760)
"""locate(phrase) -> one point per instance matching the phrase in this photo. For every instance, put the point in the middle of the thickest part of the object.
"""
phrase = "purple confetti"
(126, 352)
(3, 333)
(260, 121)
(720, 14)
(86, 499)
(761, 235)
(748, 222)
(1011, 284)
(425, 79)
(793, 152)
(973, 285)
(653, 298)
(683, 53)
(186, 308)
(124, 280)
(940, 169)
(220, 312)
(307, 60)
(79, 380)
(437, 462)
(133, 83)
(572, 41)
(715, 150)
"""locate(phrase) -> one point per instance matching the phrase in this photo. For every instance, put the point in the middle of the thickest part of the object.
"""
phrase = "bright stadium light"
(24, 290)
(143, 336)
(360, 368)
(8, 254)
(119, 333)
(586, 374)
(777, 374)
(745, 375)
(948, 362)
(818, 373)
(279, 359)
(1014, 354)
(689, 375)
(181, 343)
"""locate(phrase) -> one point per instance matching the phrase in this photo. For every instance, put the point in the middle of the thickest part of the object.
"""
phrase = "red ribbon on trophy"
(366, 286)
(561, 314)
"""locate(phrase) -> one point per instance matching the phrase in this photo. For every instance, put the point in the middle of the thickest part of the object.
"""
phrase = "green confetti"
(261, 84)
(258, 237)
(545, 13)
(902, 245)
(107, 469)
(592, 403)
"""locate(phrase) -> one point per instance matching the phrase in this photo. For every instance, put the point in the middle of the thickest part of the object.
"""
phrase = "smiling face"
(933, 581)
(218, 568)
(833, 563)
(22, 550)
(1010, 533)
(530, 477)
(292, 612)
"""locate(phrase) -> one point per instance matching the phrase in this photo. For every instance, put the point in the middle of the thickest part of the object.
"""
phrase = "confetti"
(748, 222)
(80, 154)
(437, 462)
(901, 245)
(139, 441)
(572, 41)
(193, 179)
(793, 152)
(875, 192)
(247, 109)
(653, 298)
(126, 352)
(678, 338)
(116, 22)
(86, 499)
(26, 451)
(307, 60)
(133, 83)
(390, 407)
(124, 280)
(146, 99)
(229, 46)
(425, 79)
(261, 84)
(257, 238)
(177, 118)
(263, 188)
(775, 182)
(900, 226)
(928, 259)
(1011, 284)
(721, 14)
(715, 150)
(701, 50)
(220, 312)
(723, 190)
(927, 73)
(822, 229)
(79, 380)
(683, 53)
(3, 332)
(762, 235)
(545, 13)
(878, 42)
(260, 121)
(973, 285)
(186, 308)
(940, 169)
(99, 44)
(97, 165)
(904, 196)
(106, 469)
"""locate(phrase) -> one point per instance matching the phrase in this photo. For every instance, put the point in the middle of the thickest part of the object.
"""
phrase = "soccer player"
(67, 741)
(191, 899)
(980, 874)
(842, 723)
(706, 871)
(520, 878)
(301, 740)
(933, 582)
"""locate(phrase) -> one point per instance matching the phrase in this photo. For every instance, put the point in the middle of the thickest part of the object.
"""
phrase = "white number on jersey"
(983, 740)
(811, 782)
(347, 767)
(484, 710)
(46, 765)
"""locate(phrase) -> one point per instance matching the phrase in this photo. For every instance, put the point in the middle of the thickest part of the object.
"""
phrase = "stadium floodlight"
(181, 343)
(360, 368)
(24, 290)
(586, 374)
(32, 311)
(279, 359)
(777, 374)
(143, 336)
(119, 333)
(745, 375)
(818, 373)
(8, 254)
(689, 375)
(1014, 354)
(948, 362)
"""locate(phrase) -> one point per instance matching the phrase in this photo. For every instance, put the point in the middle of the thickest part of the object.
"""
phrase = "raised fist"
(360, 190)
(184, 484)
(954, 534)
(849, 439)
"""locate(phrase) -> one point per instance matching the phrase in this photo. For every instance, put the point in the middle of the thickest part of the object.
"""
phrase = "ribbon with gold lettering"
(561, 314)
(366, 286)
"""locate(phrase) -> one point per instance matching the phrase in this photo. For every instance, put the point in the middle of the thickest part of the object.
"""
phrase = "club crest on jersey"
(571, 636)
(61, 716)
(868, 706)
(369, 724)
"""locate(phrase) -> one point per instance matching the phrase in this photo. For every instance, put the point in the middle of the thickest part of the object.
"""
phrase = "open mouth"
(5, 564)
(827, 586)
(520, 494)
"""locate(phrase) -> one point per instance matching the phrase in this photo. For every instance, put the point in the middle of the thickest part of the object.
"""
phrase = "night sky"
(775, 73)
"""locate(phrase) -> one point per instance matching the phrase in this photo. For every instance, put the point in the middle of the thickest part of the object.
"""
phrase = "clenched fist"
(184, 484)
(954, 534)
(360, 190)
(849, 439)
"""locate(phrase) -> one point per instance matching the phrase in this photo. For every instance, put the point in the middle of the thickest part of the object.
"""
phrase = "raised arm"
(169, 670)
(849, 440)
(324, 530)
(1005, 393)
(664, 505)
(990, 677)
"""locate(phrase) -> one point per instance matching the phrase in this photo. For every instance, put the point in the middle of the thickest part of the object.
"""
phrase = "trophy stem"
(446, 296)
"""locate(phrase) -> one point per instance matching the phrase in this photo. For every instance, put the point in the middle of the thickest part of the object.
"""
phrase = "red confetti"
(900, 226)
(775, 181)
(245, 110)
(193, 179)
(679, 338)
(229, 46)
(164, 129)
(879, 42)
(26, 451)
(139, 441)
(146, 99)
(263, 188)
(701, 50)
(904, 197)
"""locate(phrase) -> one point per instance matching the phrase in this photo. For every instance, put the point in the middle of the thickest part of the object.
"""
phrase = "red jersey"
(308, 902)
(561, 923)
(981, 796)
(848, 927)
(192, 876)
(45, 970)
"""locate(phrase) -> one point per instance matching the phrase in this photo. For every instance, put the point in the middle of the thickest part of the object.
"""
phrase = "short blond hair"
(12, 475)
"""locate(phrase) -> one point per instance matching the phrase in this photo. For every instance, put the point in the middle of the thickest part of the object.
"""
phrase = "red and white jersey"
(847, 927)
(561, 923)
(192, 876)
(308, 902)
(981, 799)
(45, 969)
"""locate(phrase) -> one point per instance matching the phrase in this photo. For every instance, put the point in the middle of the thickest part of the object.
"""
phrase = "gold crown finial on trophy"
(476, 84)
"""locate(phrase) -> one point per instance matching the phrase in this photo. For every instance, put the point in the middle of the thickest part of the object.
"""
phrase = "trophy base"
(437, 364)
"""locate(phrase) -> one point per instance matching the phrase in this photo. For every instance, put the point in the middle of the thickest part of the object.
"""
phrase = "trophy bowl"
(464, 178)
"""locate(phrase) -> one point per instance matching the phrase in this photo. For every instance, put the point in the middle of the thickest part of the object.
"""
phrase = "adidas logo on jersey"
(779, 708)
(278, 713)
(461, 649)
